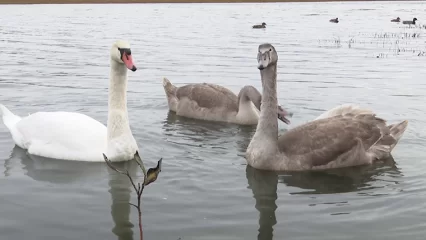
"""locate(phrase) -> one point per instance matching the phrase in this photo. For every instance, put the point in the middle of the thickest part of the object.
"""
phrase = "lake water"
(56, 57)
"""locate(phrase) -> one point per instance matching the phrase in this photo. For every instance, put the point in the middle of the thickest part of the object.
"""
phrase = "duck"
(396, 20)
(212, 102)
(334, 20)
(75, 136)
(263, 25)
(410, 22)
(339, 138)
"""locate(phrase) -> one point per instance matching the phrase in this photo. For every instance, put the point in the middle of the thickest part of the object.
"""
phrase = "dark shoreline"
(163, 1)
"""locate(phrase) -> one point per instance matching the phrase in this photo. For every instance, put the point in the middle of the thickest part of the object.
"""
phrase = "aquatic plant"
(149, 176)
(409, 41)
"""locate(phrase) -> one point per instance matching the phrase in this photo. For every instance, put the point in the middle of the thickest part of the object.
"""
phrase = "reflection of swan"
(83, 173)
(121, 195)
(194, 126)
(264, 187)
(55, 171)
(197, 132)
(339, 180)
(355, 179)
(211, 136)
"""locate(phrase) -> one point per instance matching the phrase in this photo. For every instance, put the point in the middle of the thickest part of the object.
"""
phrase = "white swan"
(342, 137)
(75, 136)
(206, 101)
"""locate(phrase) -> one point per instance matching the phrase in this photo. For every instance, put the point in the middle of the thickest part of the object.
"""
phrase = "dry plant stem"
(138, 190)
(149, 177)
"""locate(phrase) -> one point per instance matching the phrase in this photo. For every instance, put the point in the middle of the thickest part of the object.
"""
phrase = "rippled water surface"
(57, 58)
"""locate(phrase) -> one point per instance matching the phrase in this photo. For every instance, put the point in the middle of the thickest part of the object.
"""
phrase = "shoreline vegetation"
(165, 1)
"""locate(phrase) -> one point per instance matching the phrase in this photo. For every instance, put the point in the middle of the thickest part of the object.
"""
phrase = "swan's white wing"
(62, 135)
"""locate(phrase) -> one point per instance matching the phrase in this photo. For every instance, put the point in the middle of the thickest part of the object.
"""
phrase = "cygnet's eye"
(270, 49)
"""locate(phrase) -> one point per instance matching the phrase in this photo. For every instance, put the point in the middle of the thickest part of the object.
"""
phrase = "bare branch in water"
(140, 163)
(131, 180)
(134, 205)
(108, 162)
(149, 177)
(124, 172)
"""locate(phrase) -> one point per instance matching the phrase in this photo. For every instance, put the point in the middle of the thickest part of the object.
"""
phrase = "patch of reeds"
(407, 41)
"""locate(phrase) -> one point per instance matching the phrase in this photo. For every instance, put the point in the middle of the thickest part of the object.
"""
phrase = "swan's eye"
(121, 52)
(124, 50)
(270, 49)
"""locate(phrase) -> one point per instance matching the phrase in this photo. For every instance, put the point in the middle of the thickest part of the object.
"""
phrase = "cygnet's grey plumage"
(212, 102)
(341, 138)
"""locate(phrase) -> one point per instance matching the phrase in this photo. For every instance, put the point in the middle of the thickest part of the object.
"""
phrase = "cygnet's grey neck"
(249, 93)
(268, 123)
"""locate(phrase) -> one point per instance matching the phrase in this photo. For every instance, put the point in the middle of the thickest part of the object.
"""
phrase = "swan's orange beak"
(128, 61)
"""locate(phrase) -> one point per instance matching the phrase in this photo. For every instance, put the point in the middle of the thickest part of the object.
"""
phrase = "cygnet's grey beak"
(262, 60)
(283, 114)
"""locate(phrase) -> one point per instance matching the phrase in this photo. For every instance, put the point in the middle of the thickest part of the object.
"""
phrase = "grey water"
(56, 58)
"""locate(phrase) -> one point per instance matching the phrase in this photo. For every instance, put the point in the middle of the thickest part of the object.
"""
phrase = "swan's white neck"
(118, 120)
